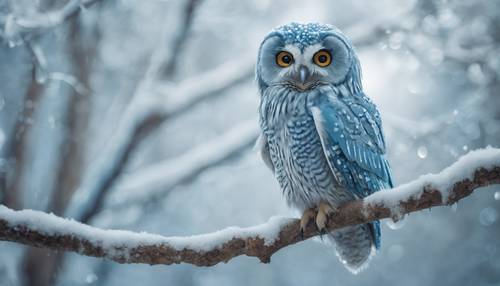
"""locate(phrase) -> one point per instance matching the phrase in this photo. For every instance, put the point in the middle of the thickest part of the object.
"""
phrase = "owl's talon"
(307, 216)
(324, 210)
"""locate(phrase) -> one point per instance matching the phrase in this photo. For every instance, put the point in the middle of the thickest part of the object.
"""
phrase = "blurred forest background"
(141, 115)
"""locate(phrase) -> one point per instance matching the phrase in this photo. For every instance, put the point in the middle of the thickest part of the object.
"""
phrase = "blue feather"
(354, 144)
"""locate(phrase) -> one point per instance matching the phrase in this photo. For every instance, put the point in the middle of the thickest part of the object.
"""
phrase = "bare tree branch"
(474, 170)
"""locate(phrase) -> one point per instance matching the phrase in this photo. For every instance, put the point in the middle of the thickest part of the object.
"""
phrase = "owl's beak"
(303, 74)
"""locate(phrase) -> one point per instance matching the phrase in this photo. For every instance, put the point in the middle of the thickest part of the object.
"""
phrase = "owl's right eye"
(284, 59)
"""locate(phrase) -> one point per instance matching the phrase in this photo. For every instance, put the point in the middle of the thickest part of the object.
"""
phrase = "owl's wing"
(262, 146)
(351, 133)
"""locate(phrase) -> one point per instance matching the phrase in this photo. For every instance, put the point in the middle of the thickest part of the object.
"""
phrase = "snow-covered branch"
(15, 27)
(169, 66)
(474, 170)
(153, 182)
(141, 119)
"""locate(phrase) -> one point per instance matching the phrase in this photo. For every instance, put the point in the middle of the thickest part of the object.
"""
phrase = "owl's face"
(302, 56)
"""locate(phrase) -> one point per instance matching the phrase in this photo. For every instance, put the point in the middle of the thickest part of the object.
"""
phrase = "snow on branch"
(153, 182)
(474, 170)
(16, 27)
(146, 115)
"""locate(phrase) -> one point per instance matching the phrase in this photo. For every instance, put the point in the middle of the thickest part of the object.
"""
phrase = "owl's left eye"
(284, 59)
(322, 58)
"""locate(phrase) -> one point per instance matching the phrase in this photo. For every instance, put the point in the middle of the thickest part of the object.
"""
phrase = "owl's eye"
(322, 58)
(284, 59)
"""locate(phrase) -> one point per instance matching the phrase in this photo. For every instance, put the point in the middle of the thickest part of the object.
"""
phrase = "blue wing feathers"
(361, 144)
(352, 134)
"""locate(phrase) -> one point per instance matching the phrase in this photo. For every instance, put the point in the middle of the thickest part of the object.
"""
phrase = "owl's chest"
(294, 143)
(289, 126)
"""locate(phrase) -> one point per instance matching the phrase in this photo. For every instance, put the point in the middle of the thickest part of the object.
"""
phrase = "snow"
(156, 179)
(123, 241)
(186, 94)
(443, 181)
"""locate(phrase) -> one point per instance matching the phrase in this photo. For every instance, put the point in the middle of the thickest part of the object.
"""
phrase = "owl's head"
(303, 56)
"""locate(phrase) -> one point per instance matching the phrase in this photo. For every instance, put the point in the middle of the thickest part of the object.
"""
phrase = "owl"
(320, 134)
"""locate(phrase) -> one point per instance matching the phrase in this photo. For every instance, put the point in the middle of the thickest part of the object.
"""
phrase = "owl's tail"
(354, 245)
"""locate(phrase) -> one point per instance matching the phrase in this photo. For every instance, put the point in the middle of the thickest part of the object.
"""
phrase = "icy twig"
(474, 170)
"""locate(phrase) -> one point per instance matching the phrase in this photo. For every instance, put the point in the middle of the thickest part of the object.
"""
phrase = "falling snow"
(422, 152)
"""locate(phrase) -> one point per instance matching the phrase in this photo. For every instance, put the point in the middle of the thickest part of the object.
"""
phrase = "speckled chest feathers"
(296, 150)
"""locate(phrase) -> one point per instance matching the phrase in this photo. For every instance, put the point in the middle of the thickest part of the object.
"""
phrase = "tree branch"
(474, 170)
(142, 119)
(169, 67)
(16, 27)
(155, 181)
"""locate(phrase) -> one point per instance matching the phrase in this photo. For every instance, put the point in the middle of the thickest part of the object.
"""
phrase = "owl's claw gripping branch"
(307, 217)
(324, 211)
(475, 170)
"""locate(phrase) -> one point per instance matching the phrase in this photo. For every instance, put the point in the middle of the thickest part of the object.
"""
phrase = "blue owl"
(321, 135)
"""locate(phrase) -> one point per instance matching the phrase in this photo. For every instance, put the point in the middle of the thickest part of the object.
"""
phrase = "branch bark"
(474, 170)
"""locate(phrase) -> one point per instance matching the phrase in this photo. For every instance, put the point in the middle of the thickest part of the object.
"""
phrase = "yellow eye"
(284, 59)
(322, 58)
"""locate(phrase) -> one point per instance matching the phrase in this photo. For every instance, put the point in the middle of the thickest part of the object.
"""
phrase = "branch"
(42, 73)
(142, 119)
(169, 67)
(15, 28)
(474, 170)
(153, 182)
